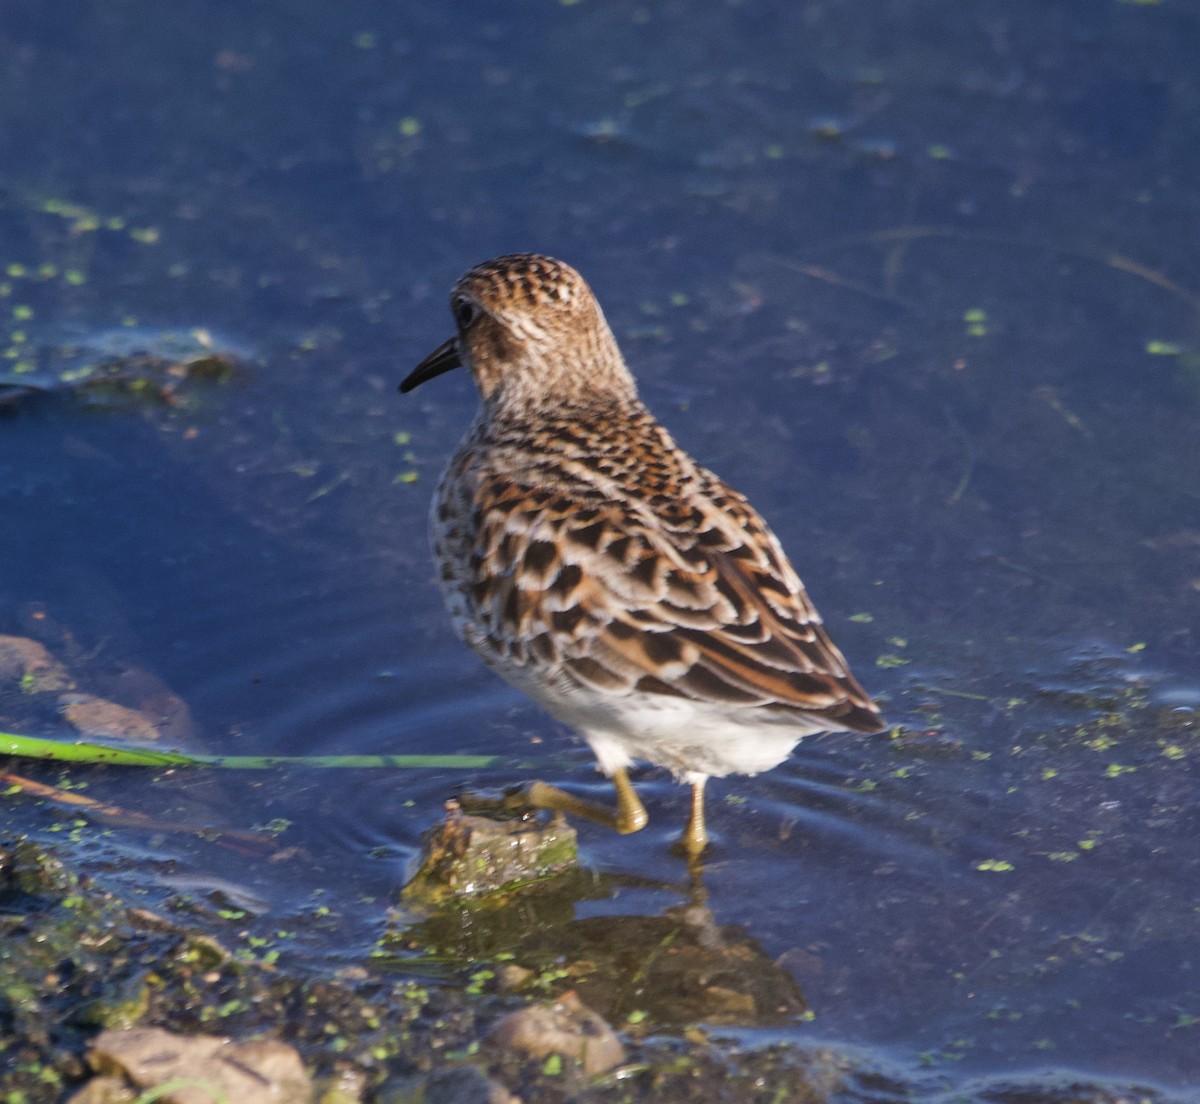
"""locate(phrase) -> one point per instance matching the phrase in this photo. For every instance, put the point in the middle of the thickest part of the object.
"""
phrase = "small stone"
(207, 1067)
(566, 1027)
(104, 1090)
(469, 855)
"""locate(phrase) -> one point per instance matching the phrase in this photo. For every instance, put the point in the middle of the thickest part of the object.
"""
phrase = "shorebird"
(594, 565)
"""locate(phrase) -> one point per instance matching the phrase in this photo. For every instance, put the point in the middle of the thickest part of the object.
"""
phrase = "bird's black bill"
(444, 358)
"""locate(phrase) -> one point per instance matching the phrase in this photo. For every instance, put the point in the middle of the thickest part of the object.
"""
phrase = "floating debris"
(119, 369)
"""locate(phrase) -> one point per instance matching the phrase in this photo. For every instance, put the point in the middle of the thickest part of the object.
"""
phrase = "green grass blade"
(358, 762)
(32, 747)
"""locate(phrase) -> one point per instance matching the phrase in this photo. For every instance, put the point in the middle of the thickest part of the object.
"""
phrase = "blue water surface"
(920, 279)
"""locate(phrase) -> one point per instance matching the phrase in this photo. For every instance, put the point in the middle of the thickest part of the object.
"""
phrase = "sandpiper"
(593, 564)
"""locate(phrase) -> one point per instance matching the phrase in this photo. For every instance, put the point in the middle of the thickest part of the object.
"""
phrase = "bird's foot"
(694, 840)
(509, 804)
(629, 816)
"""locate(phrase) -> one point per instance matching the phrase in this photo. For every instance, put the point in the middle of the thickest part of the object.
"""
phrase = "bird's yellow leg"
(629, 815)
(695, 836)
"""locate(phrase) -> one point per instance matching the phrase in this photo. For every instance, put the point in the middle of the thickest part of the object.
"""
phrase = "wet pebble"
(263, 1071)
(104, 1090)
(469, 855)
(566, 1027)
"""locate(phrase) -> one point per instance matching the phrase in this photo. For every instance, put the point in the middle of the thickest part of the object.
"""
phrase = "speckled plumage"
(593, 564)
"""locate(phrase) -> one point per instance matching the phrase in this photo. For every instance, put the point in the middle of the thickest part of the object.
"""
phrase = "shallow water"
(921, 281)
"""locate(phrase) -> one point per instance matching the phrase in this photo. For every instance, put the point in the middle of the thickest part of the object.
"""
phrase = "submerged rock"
(29, 663)
(106, 720)
(35, 684)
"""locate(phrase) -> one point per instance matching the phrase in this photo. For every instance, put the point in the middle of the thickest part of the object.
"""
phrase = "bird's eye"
(465, 312)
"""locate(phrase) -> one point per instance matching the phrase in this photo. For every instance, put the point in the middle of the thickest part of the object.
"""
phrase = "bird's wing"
(693, 598)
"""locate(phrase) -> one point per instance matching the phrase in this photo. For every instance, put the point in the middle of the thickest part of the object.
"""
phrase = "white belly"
(689, 738)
